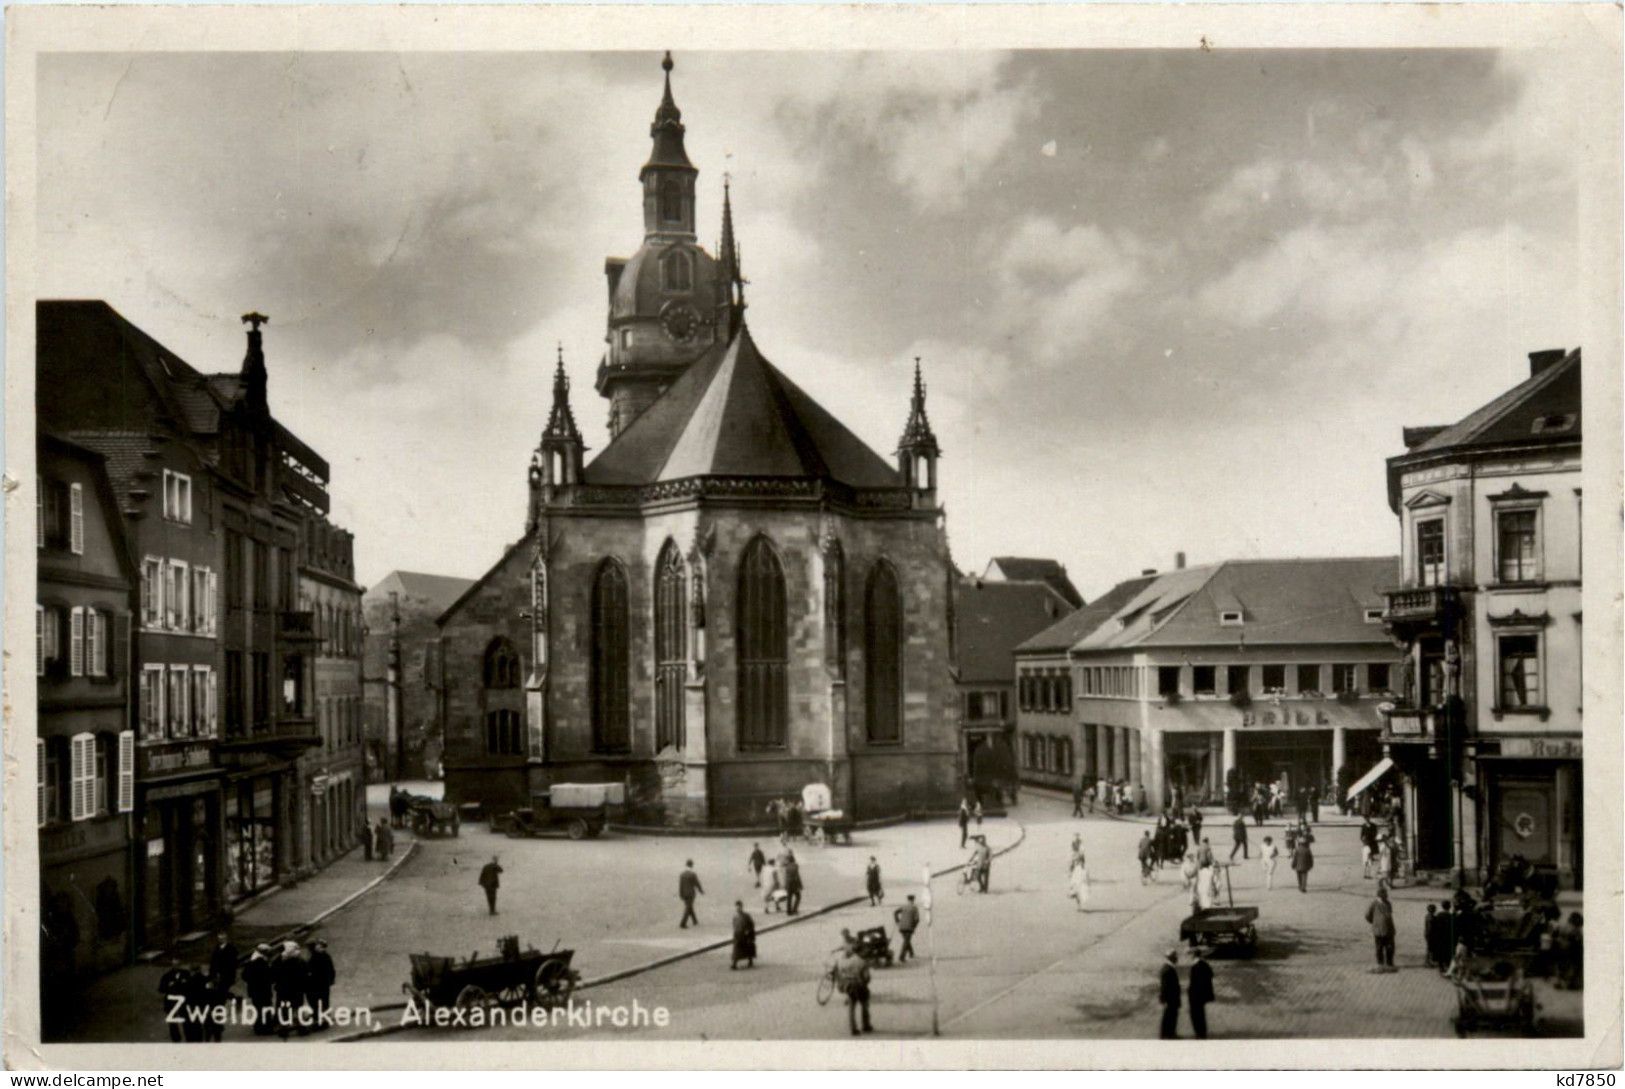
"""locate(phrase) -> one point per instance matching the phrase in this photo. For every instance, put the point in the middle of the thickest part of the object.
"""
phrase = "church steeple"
(668, 176)
(730, 280)
(917, 450)
(558, 458)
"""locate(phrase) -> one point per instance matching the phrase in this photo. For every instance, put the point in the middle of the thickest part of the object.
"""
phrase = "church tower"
(557, 462)
(670, 302)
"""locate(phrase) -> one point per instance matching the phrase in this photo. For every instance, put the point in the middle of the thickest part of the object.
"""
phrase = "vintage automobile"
(580, 810)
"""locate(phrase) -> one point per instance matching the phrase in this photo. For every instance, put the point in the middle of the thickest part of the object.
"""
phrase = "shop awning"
(1377, 772)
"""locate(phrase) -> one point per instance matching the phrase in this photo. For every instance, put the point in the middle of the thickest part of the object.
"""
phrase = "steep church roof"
(732, 413)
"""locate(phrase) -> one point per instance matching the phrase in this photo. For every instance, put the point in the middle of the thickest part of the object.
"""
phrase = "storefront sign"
(155, 848)
(1543, 748)
(1285, 717)
(168, 759)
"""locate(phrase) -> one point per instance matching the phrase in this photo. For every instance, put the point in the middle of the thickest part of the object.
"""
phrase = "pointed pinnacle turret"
(561, 421)
(917, 434)
(728, 270)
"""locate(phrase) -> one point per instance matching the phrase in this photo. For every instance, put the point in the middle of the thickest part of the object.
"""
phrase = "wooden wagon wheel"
(577, 828)
(472, 997)
(553, 982)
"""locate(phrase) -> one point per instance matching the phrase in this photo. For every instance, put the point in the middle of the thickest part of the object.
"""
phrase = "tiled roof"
(1031, 569)
(732, 413)
(438, 590)
(1512, 416)
(128, 467)
(991, 618)
(1066, 632)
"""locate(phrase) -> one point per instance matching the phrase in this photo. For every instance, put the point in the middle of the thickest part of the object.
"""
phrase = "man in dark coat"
(877, 894)
(1380, 914)
(490, 881)
(1201, 993)
(385, 840)
(688, 887)
(1077, 798)
(1303, 860)
(1238, 833)
(852, 972)
(1196, 824)
(223, 960)
(907, 918)
(289, 974)
(319, 977)
(366, 839)
(964, 821)
(744, 948)
(757, 862)
(1170, 996)
(172, 992)
(257, 978)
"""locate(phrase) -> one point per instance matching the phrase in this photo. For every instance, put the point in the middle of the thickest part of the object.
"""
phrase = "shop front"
(1531, 790)
(179, 851)
(253, 835)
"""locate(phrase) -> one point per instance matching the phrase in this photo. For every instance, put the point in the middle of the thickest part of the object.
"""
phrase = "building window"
(883, 623)
(1515, 543)
(175, 703)
(1345, 679)
(1376, 677)
(501, 665)
(611, 711)
(1230, 618)
(1204, 680)
(502, 733)
(1272, 679)
(671, 648)
(1430, 552)
(105, 757)
(1373, 616)
(177, 597)
(676, 272)
(764, 689)
(177, 497)
(1235, 679)
(261, 695)
(234, 692)
(97, 630)
(152, 701)
(52, 767)
(1520, 670)
(1167, 681)
(671, 201)
(1308, 678)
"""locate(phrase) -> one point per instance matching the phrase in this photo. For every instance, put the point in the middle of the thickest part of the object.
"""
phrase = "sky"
(1164, 301)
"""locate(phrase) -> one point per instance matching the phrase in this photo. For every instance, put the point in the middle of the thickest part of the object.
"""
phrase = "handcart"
(1229, 925)
(511, 977)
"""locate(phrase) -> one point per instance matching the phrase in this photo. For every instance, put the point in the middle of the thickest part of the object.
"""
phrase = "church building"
(735, 599)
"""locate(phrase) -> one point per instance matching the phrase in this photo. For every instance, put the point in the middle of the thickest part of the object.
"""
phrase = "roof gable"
(1521, 413)
(992, 618)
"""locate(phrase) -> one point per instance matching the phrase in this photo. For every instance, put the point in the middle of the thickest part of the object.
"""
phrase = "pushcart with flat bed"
(1228, 925)
(512, 977)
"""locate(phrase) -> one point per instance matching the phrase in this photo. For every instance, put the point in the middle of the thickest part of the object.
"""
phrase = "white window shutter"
(126, 771)
(214, 704)
(76, 644)
(97, 666)
(214, 602)
(76, 516)
(81, 768)
(39, 782)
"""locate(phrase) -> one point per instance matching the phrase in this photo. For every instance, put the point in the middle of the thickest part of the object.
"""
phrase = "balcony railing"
(1425, 604)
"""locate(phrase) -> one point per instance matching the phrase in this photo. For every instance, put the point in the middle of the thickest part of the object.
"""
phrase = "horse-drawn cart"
(431, 818)
(512, 977)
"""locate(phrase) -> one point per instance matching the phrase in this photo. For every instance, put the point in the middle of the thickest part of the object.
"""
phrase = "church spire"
(917, 450)
(668, 176)
(558, 458)
(731, 281)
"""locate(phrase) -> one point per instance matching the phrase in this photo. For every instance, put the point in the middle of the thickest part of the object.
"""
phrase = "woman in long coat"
(1303, 860)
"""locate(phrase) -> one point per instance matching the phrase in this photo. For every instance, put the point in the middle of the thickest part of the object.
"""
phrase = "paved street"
(1020, 962)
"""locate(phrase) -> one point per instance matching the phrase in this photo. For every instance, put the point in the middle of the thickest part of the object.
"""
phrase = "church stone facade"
(736, 598)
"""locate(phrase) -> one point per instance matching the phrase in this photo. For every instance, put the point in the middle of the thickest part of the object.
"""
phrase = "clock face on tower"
(681, 322)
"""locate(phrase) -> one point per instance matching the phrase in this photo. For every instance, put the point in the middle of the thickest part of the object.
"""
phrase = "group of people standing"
(289, 989)
(1113, 796)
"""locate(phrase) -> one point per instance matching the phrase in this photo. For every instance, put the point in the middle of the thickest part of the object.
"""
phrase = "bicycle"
(828, 984)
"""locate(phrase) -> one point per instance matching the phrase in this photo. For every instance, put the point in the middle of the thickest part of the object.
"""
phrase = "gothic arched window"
(611, 696)
(676, 274)
(502, 733)
(501, 668)
(671, 648)
(764, 652)
(883, 624)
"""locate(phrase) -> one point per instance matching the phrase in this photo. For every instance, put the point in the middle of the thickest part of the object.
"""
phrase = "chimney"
(1540, 362)
(1179, 561)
